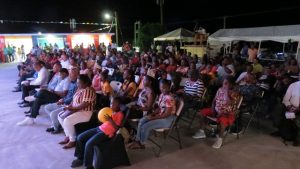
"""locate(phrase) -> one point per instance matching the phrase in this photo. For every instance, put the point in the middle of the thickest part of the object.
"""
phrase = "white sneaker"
(218, 143)
(30, 98)
(26, 121)
(199, 134)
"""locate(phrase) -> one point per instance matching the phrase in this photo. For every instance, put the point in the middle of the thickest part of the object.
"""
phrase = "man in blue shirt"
(61, 102)
(55, 108)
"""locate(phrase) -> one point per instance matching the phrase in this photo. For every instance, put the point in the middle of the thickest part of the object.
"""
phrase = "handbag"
(64, 114)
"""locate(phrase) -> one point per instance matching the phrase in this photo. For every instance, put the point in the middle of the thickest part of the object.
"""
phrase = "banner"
(2, 45)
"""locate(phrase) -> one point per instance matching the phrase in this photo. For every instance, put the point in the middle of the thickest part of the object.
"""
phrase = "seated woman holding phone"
(78, 111)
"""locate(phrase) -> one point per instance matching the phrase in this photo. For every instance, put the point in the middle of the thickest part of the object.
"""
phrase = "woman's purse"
(64, 114)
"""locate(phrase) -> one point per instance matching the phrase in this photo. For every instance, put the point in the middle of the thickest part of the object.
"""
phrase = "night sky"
(177, 13)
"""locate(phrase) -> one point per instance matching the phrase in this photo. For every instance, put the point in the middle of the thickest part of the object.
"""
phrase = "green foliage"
(148, 32)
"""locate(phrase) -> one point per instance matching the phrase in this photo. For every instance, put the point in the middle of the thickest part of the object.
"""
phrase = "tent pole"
(297, 51)
(258, 50)
(230, 47)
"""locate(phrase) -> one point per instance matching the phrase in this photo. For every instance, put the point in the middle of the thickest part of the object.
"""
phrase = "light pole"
(108, 16)
(161, 6)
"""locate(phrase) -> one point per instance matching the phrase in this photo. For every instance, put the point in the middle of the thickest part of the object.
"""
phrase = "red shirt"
(135, 60)
(171, 68)
(162, 67)
(108, 128)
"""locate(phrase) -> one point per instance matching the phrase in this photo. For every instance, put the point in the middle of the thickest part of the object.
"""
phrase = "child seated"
(222, 108)
(87, 140)
(162, 117)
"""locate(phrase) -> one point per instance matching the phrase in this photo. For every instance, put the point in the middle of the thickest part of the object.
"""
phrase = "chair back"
(179, 106)
(237, 105)
(137, 79)
(116, 86)
(110, 70)
(183, 80)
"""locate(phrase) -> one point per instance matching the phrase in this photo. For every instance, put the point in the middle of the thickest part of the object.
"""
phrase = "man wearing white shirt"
(56, 77)
(65, 63)
(41, 80)
(241, 80)
(291, 100)
(292, 97)
(227, 69)
(45, 96)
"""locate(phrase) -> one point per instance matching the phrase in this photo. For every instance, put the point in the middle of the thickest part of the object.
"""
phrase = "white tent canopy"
(273, 33)
(179, 34)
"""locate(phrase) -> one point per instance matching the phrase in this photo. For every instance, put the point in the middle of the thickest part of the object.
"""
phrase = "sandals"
(136, 145)
(65, 141)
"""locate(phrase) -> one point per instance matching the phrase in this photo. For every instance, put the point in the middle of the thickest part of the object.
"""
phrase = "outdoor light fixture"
(107, 16)
(39, 33)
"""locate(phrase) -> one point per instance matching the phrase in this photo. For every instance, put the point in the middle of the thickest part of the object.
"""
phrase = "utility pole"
(137, 27)
(117, 34)
(161, 5)
(72, 24)
(224, 22)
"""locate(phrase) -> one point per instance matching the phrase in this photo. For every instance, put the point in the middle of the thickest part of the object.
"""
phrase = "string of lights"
(100, 29)
(3, 21)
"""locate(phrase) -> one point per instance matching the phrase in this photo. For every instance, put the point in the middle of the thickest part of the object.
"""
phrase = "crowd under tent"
(283, 34)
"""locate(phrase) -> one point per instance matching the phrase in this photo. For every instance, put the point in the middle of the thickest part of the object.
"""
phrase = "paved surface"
(31, 147)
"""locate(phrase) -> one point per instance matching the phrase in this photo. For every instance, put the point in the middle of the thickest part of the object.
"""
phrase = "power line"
(100, 29)
(234, 16)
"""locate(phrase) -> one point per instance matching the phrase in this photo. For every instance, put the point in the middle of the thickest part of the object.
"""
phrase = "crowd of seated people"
(68, 83)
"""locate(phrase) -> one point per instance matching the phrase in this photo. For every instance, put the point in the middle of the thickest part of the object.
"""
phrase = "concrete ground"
(30, 147)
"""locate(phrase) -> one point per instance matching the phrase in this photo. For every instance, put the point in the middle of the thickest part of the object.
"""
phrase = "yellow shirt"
(257, 68)
(132, 85)
(106, 88)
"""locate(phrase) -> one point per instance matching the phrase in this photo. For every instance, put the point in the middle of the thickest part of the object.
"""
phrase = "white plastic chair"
(110, 70)
(116, 86)
(136, 79)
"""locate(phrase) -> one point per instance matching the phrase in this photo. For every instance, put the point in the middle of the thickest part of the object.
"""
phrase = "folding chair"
(168, 131)
(195, 109)
(236, 108)
(253, 110)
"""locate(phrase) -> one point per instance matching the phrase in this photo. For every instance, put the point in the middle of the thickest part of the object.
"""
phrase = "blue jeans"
(86, 142)
(145, 126)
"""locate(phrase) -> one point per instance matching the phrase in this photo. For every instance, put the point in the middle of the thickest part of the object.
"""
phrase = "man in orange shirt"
(252, 53)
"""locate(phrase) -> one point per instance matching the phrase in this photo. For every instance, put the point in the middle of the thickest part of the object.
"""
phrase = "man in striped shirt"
(193, 91)
(194, 87)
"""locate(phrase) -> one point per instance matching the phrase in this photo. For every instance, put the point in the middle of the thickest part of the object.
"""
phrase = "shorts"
(225, 119)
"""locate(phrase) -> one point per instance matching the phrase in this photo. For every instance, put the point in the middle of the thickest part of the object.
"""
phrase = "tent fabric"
(273, 33)
(178, 34)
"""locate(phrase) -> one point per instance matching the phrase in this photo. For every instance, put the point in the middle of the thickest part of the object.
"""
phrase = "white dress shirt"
(240, 79)
(292, 95)
(65, 64)
(42, 78)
